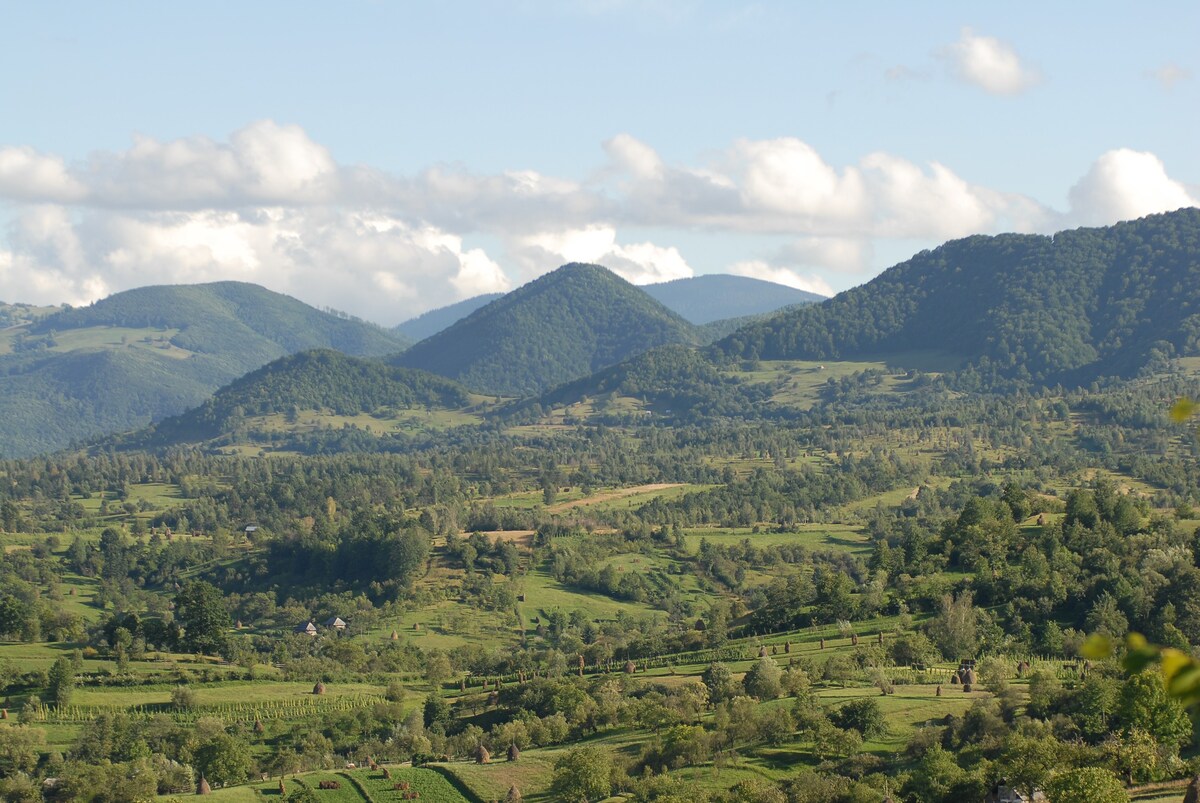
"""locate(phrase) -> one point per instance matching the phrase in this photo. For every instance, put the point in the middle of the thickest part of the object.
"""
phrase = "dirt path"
(608, 496)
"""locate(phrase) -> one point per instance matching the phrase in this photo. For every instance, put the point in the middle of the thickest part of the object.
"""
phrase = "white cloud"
(838, 254)
(273, 207)
(1170, 74)
(757, 269)
(1124, 184)
(381, 268)
(990, 64)
(638, 263)
(27, 175)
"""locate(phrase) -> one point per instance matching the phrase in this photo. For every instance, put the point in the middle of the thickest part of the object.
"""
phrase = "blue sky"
(386, 158)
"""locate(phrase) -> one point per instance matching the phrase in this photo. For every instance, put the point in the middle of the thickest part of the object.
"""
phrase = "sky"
(387, 158)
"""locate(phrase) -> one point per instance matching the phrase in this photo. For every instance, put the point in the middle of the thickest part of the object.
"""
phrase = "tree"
(436, 710)
(1144, 704)
(20, 747)
(223, 760)
(200, 609)
(763, 681)
(583, 774)
(62, 681)
(720, 682)
(1028, 761)
(1086, 785)
(863, 715)
(954, 629)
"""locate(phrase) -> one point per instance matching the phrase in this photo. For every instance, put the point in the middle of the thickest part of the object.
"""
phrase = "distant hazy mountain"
(715, 297)
(1080, 304)
(144, 354)
(434, 321)
(566, 324)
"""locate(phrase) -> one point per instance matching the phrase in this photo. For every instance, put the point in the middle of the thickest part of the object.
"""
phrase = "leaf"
(1182, 410)
(1097, 647)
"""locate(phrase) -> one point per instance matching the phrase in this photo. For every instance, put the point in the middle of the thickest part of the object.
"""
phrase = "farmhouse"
(307, 628)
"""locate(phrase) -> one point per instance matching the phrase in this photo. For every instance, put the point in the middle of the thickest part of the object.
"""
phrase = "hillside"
(434, 321)
(1080, 304)
(144, 354)
(717, 297)
(564, 325)
(321, 380)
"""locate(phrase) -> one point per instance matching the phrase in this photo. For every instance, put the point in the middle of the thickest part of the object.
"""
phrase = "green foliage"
(320, 380)
(201, 611)
(1029, 308)
(430, 323)
(62, 682)
(564, 325)
(51, 398)
(863, 715)
(763, 680)
(223, 760)
(1086, 785)
(583, 774)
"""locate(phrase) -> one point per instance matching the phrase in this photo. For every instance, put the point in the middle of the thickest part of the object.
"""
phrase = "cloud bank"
(271, 206)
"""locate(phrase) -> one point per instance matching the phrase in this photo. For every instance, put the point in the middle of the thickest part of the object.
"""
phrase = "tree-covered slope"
(674, 382)
(228, 318)
(564, 325)
(1080, 304)
(434, 321)
(716, 297)
(144, 354)
(322, 380)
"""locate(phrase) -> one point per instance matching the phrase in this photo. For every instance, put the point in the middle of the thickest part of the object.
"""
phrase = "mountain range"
(986, 313)
(143, 354)
(561, 326)
(1041, 309)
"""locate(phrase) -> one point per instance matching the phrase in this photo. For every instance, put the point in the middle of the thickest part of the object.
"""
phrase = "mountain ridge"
(563, 325)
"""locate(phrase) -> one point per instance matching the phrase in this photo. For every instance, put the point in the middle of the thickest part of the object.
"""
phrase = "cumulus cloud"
(28, 175)
(639, 263)
(273, 207)
(990, 64)
(837, 254)
(757, 269)
(784, 185)
(378, 267)
(1124, 184)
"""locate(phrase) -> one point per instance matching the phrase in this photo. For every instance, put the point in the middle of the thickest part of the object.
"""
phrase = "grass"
(531, 774)
(830, 537)
(430, 784)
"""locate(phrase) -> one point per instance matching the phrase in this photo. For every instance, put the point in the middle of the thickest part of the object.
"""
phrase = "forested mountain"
(434, 321)
(1079, 304)
(144, 354)
(564, 325)
(322, 380)
(716, 297)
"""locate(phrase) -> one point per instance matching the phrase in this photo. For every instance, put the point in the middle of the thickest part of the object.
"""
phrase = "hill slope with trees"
(1070, 307)
(430, 323)
(144, 354)
(564, 325)
(323, 380)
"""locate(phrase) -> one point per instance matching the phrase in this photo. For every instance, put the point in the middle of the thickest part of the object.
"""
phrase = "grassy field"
(831, 537)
